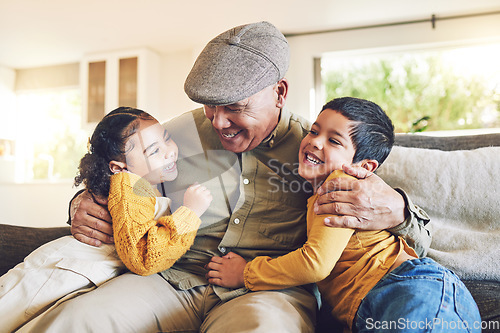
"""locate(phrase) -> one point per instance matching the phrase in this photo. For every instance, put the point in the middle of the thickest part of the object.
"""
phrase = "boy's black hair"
(107, 144)
(373, 132)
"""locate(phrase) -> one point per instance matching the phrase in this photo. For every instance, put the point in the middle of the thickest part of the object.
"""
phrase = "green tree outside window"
(419, 92)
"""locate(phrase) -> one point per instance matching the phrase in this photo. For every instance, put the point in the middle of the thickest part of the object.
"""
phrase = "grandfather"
(243, 146)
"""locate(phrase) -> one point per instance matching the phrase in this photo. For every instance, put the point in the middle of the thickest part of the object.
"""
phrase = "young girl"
(129, 153)
(372, 279)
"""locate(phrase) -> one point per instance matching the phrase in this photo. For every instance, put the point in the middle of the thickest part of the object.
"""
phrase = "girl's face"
(151, 153)
(326, 148)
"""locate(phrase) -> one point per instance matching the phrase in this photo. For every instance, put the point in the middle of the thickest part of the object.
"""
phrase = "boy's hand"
(226, 271)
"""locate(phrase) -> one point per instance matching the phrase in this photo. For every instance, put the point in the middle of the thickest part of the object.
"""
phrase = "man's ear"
(116, 166)
(370, 165)
(282, 91)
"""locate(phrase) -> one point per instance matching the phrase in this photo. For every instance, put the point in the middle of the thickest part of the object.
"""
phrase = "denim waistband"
(423, 267)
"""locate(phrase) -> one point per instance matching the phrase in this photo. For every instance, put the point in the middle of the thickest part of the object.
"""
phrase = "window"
(422, 90)
(49, 141)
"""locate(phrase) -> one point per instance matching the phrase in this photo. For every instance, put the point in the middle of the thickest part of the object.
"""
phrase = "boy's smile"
(327, 147)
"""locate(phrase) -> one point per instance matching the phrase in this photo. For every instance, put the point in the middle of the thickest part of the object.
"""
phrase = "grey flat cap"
(237, 64)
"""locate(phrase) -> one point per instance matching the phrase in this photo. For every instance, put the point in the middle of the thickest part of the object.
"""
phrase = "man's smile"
(230, 135)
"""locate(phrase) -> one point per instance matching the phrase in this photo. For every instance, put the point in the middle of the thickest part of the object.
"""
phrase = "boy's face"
(151, 153)
(326, 148)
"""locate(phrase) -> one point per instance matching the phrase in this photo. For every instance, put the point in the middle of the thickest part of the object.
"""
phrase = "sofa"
(455, 179)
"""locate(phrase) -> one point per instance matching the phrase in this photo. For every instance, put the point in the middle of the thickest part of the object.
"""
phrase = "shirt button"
(236, 221)
(223, 249)
(246, 181)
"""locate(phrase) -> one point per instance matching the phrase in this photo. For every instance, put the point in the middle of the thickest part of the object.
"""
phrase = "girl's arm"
(311, 263)
(145, 245)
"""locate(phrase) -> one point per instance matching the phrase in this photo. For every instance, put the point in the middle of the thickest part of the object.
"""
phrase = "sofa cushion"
(459, 191)
(17, 242)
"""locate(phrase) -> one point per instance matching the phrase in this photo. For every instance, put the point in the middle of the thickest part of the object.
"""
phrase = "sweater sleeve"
(145, 245)
(311, 263)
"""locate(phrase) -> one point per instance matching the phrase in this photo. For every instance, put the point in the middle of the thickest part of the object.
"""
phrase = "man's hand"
(365, 203)
(226, 271)
(90, 220)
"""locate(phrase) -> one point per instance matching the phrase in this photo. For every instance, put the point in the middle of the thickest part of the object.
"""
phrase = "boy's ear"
(370, 165)
(116, 166)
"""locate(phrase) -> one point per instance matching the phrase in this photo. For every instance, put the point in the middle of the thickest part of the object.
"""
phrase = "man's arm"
(368, 203)
(90, 220)
(414, 228)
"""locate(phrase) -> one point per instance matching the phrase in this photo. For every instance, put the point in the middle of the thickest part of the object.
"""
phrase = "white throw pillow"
(460, 192)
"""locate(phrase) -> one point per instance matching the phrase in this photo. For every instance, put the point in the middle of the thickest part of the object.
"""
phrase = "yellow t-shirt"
(345, 263)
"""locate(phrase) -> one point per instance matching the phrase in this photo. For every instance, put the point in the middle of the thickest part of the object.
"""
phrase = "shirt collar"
(278, 132)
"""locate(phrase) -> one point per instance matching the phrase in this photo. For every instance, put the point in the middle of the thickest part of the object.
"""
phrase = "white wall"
(7, 102)
(36, 204)
(174, 70)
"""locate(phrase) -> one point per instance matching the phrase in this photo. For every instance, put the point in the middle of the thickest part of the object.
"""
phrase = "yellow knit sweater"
(145, 245)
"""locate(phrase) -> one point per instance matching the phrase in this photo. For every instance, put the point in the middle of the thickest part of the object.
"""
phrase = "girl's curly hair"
(107, 144)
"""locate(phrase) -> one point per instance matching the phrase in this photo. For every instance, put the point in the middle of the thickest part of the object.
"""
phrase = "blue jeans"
(418, 296)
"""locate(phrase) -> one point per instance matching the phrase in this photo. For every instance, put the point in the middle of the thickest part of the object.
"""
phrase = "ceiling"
(36, 33)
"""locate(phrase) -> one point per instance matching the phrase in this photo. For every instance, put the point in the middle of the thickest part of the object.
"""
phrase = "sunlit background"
(423, 90)
(430, 77)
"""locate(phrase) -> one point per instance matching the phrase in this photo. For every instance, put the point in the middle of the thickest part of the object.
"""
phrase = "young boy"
(372, 279)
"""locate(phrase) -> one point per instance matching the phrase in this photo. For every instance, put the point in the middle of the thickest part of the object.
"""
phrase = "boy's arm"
(145, 245)
(311, 263)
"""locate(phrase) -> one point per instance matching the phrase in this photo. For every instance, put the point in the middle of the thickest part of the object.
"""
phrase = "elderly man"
(243, 146)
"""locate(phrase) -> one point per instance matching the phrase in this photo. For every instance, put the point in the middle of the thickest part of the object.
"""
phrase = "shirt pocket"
(282, 220)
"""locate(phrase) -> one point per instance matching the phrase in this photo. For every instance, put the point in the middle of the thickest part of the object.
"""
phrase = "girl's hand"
(197, 198)
(226, 271)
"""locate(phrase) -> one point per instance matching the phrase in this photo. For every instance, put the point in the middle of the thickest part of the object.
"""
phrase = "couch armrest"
(16, 242)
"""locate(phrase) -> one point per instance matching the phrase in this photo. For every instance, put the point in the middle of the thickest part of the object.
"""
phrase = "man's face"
(243, 125)
(327, 147)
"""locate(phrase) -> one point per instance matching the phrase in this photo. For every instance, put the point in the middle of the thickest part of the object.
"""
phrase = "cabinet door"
(96, 91)
(127, 90)
(123, 78)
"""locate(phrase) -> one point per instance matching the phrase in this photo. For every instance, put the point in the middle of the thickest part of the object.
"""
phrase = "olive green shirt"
(259, 200)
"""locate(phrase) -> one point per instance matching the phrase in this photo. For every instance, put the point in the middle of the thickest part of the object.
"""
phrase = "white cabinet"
(121, 78)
